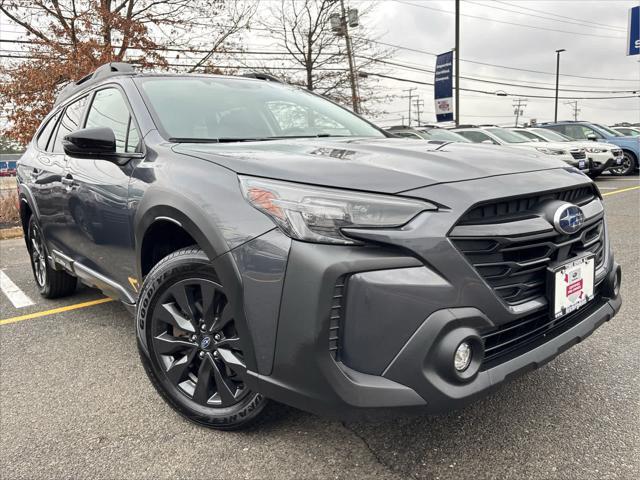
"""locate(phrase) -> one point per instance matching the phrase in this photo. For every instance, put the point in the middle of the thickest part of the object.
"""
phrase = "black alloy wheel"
(38, 255)
(194, 354)
(195, 340)
(51, 283)
(627, 167)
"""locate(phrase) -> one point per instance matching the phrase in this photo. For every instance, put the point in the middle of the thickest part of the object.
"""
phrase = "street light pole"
(555, 117)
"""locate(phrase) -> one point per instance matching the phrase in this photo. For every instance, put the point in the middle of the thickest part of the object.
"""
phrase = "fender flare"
(25, 195)
(160, 205)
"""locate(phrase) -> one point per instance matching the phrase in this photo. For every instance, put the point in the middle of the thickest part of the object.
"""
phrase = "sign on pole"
(443, 87)
(633, 35)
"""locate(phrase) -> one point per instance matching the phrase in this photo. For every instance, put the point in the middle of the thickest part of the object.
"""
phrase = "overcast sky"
(591, 51)
(516, 46)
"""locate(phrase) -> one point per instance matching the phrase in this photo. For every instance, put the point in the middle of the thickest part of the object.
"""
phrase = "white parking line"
(13, 292)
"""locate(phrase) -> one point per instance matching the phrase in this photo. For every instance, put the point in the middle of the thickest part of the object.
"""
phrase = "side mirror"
(488, 142)
(97, 142)
(592, 137)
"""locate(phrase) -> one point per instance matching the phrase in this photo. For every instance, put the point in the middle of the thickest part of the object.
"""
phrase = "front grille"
(522, 207)
(515, 267)
(512, 339)
(335, 318)
(578, 154)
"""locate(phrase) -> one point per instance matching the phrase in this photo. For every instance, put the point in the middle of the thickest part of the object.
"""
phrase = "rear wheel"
(195, 358)
(628, 165)
(51, 283)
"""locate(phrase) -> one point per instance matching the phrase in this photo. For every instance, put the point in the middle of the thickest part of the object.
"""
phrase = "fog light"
(462, 357)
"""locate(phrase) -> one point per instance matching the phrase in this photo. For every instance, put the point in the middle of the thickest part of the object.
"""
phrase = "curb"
(10, 232)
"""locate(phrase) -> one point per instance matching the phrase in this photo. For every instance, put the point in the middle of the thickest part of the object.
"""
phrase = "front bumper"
(601, 162)
(405, 293)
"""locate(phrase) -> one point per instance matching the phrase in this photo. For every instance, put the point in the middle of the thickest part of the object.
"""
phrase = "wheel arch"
(161, 220)
(633, 154)
(28, 207)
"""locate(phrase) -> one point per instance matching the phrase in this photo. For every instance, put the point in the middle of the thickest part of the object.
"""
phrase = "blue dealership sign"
(443, 87)
(633, 44)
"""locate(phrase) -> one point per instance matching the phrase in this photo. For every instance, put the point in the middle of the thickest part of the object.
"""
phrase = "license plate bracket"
(570, 285)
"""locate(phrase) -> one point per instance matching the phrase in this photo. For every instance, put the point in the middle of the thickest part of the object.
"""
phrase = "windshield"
(444, 135)
(608, 130)
(201, 109)
(551, 136)
(507, 136)
(534, 137)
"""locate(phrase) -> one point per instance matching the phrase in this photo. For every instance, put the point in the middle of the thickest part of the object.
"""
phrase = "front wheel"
(194, 355)
(628, 165)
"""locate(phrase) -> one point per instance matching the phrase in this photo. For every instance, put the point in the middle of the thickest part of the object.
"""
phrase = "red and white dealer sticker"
(573, 285)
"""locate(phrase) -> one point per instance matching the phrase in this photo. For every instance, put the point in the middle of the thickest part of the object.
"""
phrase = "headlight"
(317, 214)
(596, 150)
(550, 151)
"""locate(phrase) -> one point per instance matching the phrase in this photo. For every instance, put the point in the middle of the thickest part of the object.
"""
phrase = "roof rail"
(262, 76)
(100, 73)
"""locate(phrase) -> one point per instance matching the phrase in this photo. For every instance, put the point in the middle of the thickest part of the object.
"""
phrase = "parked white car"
(573, 155)
(601, 156)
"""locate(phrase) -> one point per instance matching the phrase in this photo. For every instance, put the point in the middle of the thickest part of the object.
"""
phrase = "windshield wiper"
(256, 139)
(214, 140)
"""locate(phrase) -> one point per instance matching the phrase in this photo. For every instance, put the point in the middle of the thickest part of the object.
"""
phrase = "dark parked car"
(275, 245)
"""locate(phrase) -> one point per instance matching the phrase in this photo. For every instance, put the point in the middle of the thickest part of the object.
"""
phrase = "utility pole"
(457, 64)
(574, 106)
(518, 108)
(355, 101)
(558, 52)
(418, 104)
(410, 90)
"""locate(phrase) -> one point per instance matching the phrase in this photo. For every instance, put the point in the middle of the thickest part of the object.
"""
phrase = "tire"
(628, 166)
(194, 353)
(51, 283)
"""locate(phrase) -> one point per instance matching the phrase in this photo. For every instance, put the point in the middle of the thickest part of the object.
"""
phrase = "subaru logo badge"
(568, 219)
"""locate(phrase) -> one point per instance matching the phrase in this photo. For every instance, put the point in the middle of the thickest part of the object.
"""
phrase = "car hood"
(588, 143)
(629, 142)
(379, 165)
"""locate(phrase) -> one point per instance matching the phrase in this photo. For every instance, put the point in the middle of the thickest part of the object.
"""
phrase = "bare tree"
(67, 39)
(303, 29)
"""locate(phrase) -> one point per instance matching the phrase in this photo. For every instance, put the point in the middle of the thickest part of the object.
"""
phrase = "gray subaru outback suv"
(273, 245)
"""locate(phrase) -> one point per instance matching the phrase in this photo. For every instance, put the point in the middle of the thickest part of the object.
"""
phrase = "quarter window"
(110, 110)
(45, 133)
(70, 122)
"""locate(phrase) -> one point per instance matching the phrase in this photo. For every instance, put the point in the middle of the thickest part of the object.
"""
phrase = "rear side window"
(70, 122)
(109, 109)
(45, 133)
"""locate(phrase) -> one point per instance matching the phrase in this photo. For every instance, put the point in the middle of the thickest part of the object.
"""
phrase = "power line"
(402, 47)
(476, 79)
(510, 23)
(586, 23)
(271, 52)
(558, 15)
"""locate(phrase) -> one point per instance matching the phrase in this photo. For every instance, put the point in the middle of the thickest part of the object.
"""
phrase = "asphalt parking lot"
(75, 403)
